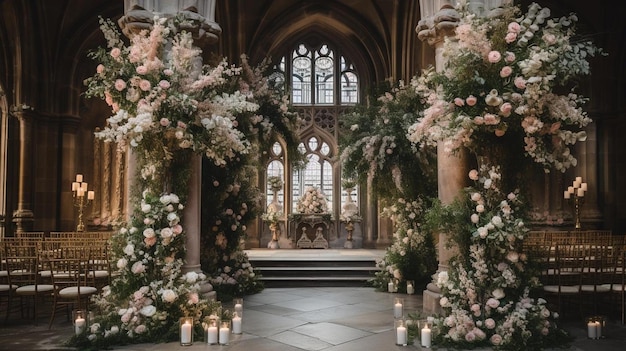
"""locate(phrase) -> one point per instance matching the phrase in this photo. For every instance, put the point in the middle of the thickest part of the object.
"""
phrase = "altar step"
(314, 267)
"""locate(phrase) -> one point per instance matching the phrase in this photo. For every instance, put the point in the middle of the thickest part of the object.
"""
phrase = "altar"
(312, 231)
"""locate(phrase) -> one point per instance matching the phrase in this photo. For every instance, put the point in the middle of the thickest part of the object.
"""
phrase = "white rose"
(497, 221)
(148, 233)
(145, 208)
(121, 263)
(129, 249)
(148, 311)
(498, 293)
(191, 277)
(474, 218)
(487, 184)
(169, 295)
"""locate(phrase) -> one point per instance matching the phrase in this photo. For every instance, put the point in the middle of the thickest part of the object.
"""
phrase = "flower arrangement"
(412, 255)
(487, 293)
(348, 184)
(275, 182)
(149, 287)
(502, 85)
(168, 105)
(374, 144)
(313, 201)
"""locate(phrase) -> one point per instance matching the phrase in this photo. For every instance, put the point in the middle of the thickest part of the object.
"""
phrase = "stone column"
(201, 23)
(439, 20)
(4, 137)
(23, 216)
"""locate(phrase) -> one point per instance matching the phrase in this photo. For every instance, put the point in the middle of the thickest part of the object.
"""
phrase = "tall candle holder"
(82, 198)
(576, 195)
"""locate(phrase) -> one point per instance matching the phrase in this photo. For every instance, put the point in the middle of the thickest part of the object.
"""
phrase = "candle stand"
(82, 198)
(576, 195)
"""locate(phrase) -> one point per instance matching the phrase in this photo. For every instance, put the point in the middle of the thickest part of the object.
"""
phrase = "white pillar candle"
(566, 194)
(598, 330)
(579, 180)
(224, 335)
(401, 335)
(185, 333)
(74, 186)
(239, 309)
(90, 195)
(581, 192)
(591, 330)
(397, 310)
(79, 178)
(426, 337)
(212, 335)
(236, 324)
(390, 287)
(570, 189)
(583, 186)
(79, 325)
(410, 289)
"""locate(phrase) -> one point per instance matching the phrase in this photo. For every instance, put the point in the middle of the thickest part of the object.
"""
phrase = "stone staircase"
(314, 267)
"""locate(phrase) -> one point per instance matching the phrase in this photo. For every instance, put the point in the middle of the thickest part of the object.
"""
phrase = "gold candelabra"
(82, 198)
(576, 194)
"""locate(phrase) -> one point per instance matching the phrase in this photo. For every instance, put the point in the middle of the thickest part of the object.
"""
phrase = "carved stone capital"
(436, 27)
(204, 31)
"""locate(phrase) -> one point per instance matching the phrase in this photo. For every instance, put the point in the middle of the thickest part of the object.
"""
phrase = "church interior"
(48, 126)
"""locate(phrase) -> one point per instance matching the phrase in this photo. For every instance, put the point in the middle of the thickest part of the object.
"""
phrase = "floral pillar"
(439, 20)
(201, 13)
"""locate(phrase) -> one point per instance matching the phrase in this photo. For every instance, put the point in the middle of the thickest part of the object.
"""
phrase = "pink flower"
(549, 38)
(520, 83)
(115, 53)
(494, 56)
(177, 229)
(471, 100)
(510, 37)
(181, 125)
(491, 119)
(506, 71)
(555, 127)
(470, 337)
(141, 69)
(168, 72)
(499, 132)
(506, 108)
(145, 85)
(479, 120)
(490, 323)
(473, 174)
(459, 102)
(514, 27)
(164, 122)
(495, 339)
(150, 241)
(164, 84)
(120, 84)
(493, 303)
(100, 69)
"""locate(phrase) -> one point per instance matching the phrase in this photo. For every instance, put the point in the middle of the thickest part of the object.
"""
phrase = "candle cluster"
(79, 188)
(578, 189)
(218, 331)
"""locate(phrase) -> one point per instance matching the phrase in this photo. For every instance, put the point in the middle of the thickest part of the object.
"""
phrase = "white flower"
(122, 263)
(169, 295)
(498, 293)
(129, 249)
(474, 218)
(497, 221)
(148, 311)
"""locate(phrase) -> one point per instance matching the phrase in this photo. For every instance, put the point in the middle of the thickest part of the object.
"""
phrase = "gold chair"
(618, 288)
(69, 272)
(563, 279)
(23, 266)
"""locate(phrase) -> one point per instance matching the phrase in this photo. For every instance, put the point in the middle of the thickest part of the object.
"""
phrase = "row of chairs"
(66, 235)
(586, 268)
(65, 271)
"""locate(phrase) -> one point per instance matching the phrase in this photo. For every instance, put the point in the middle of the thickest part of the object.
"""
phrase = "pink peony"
(514, 27)
(490, 323)
(494, 56)
(120, 84)
(115, 53)
(145, 85)
(459, 102)
(506, 71)
(100, 69)
(510, 37)
(141, 69)
(164, 122)
(509, 57)
(520, 83)
(473, 174)
(164, 84)
(471, 100)
(495, 339)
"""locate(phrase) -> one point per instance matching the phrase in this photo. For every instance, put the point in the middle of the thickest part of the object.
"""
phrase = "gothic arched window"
(321, 82)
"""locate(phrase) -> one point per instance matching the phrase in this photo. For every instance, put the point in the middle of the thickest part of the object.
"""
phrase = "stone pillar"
(439, 19)
(200, 15)
(23, 216)
(4, 140)
(587, 155)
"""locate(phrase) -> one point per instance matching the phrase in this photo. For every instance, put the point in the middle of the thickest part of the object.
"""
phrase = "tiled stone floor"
(292, 319)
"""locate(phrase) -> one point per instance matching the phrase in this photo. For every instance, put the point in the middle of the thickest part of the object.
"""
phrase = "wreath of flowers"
(502, 83)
